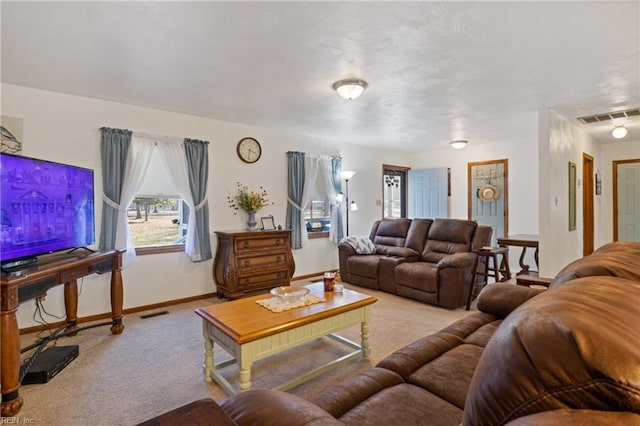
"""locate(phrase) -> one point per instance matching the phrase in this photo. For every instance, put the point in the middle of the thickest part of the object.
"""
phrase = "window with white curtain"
(318, 197)
(157, 216)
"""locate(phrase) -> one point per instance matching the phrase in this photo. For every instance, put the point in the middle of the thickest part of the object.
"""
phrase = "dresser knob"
(278, 258)
(246, 244)
(277, 242)
(247, 263)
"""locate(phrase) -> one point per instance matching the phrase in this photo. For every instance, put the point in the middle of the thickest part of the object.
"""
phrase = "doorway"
(394, 191)
(587, 204)
(626, 200)
(488, 201)
(428, 193)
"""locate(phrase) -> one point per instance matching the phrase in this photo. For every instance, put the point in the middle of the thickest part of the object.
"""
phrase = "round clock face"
(249, 150)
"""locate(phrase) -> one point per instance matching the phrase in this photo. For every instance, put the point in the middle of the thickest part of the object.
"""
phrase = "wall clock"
(249, 150)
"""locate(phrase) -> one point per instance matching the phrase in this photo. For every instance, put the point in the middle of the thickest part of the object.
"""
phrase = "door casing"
(588, 190)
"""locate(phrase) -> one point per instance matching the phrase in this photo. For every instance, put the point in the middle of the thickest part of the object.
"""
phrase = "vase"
(251, 221)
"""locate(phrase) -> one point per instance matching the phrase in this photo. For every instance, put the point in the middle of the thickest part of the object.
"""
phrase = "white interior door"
(428, 193)
(628, 201)
(488, 211)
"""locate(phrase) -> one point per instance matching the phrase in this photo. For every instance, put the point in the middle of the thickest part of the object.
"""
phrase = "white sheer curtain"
(318, 185)
(176, 162)
(140, 152)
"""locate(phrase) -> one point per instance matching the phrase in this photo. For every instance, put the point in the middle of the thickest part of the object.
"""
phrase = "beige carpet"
(156, 364)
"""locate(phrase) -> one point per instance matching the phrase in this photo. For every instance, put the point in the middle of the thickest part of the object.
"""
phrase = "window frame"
(161, 248)
(317, 234)
(403, 173)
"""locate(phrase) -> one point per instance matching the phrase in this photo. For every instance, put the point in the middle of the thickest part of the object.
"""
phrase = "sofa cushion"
(474, 329)
(391, 232)
(574, 346)
(419, 275)
(417, 234)
(449, 375)
(346, 394)
(403, 404)
(448, 236)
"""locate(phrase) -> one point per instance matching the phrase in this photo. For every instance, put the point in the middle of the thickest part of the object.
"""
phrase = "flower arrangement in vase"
(249, 201)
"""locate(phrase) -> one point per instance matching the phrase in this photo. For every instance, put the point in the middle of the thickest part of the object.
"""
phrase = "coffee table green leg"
(208, 357)
(364, 338)
(245, 373)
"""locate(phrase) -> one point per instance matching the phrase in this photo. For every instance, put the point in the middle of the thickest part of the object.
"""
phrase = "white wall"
(561, 142)
(522, 180)
(65, 128)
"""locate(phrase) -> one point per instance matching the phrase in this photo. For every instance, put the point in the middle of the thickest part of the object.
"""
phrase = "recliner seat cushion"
(365, 265)
(419, 275)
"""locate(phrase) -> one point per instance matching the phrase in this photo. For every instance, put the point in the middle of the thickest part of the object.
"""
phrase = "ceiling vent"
(609, 116)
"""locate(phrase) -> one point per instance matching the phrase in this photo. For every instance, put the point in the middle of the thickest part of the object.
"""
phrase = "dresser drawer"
(265, 243)
(263, 280)
(249, 261)
(254, 261)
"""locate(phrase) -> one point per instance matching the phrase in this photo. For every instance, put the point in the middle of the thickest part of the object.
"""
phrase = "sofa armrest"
(267, 407)
(346, 250)
(500, 299)
(404, 252)
(202, 412)
(457, 260)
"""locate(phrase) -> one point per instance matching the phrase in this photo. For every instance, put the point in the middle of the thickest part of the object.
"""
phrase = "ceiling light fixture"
(459, 144)
(619, 131)
(349, 89)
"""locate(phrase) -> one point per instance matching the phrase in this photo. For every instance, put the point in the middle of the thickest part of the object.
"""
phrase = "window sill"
(175, 248)
(315, 235)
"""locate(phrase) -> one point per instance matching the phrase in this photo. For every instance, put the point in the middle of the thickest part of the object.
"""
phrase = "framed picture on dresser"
(268, 223)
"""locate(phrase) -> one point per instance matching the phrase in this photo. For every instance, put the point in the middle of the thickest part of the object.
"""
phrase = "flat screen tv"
(45, 206)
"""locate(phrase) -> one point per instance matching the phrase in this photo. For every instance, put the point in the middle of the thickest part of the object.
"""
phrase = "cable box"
(49, 363)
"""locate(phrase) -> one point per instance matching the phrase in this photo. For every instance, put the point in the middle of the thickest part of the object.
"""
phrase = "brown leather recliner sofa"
(566, 355)
(430, 260)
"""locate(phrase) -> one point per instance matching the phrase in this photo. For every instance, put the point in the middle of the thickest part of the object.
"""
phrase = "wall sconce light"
(458, 144)
(346, 175)
(619, 131)
(350, 88)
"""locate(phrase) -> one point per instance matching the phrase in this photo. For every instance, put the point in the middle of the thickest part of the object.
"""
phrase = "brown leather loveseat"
(430, 260)
(566, 355)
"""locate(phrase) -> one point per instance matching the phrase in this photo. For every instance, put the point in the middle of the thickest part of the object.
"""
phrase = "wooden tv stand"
(34, 281)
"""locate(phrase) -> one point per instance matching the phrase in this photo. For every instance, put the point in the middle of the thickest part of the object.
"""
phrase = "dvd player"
(49, 363)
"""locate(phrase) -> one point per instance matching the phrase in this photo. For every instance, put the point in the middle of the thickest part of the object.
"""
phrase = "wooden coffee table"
(249, 332)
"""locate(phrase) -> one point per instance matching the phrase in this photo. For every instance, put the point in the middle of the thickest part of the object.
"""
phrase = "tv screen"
(45, 207)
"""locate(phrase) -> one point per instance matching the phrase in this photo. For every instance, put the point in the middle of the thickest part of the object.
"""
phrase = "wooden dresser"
(248, 261)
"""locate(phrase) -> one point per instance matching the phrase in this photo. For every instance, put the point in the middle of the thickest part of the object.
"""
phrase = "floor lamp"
(346, 175)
